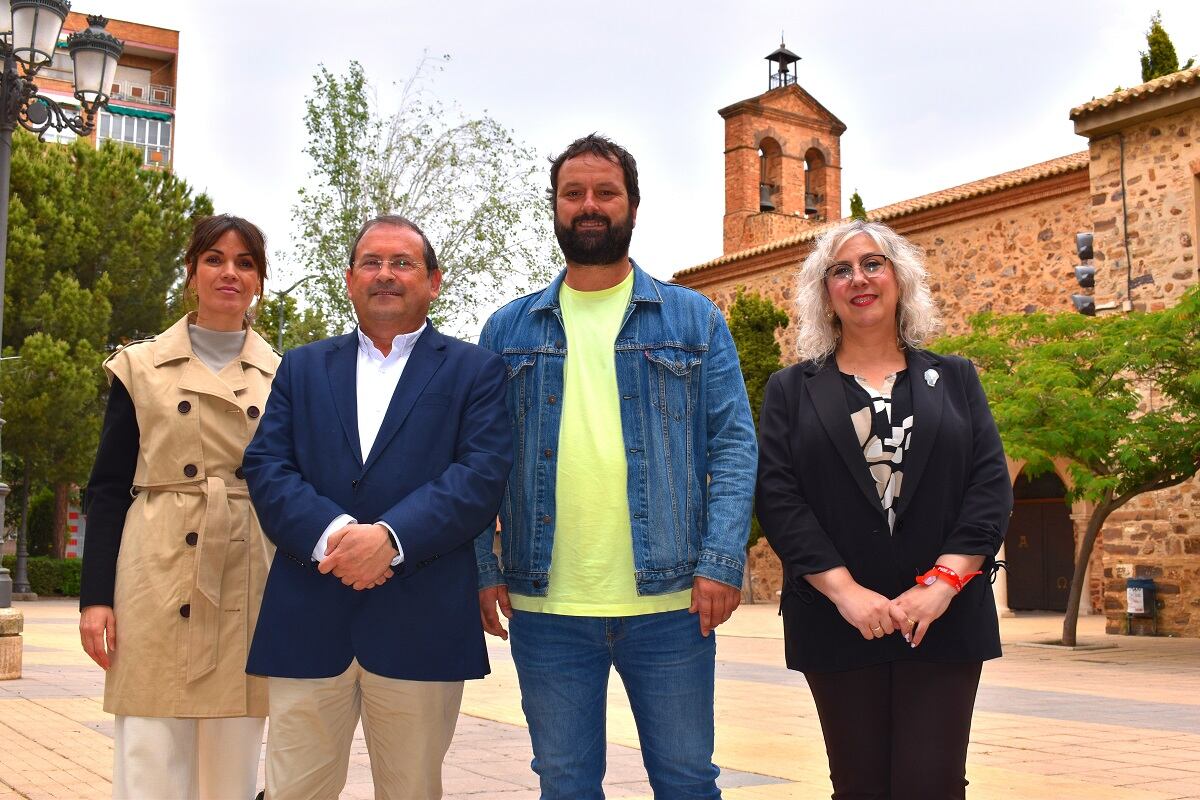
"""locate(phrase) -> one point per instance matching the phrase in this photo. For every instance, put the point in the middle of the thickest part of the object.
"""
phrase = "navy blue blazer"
(819, 509)
(435, 475)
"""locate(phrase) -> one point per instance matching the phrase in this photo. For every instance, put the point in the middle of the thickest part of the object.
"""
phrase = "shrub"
(50, 576)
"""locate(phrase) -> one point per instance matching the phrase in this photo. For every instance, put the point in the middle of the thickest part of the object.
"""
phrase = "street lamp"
(29, 31)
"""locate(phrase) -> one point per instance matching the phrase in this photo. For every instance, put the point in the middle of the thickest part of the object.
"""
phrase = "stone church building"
(1004, 243)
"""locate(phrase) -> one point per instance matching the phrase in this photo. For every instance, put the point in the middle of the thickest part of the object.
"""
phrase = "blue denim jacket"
(686, 423)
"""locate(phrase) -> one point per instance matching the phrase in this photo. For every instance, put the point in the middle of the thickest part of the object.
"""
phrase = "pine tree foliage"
(1159, 57)
(857, 209)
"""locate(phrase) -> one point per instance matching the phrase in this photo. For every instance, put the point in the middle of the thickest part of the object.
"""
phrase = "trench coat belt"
(204, 620)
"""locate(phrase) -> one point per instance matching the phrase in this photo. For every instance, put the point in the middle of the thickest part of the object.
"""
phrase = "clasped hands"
(875, 616)
(360, 555)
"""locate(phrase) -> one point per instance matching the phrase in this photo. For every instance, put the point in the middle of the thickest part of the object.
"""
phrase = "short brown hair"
(209, 229)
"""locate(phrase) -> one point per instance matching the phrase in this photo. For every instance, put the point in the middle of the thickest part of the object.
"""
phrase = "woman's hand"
(864, 609)
(98, 633)
(919, 607)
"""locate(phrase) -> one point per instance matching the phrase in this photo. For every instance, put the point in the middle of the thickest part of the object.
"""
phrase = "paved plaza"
(1119, 721)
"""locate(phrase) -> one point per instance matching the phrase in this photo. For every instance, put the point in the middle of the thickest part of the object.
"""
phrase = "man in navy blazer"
(380, 456)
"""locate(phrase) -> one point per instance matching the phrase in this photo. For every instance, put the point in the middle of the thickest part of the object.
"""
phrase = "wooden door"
(1039, 550)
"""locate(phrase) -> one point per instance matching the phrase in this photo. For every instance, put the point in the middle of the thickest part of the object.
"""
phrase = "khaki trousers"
(408, 727)
(186, 759)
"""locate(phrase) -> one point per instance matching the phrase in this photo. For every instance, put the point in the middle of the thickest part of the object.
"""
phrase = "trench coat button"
(546, 519)
(184, 406)
(190, 470)
(185, 610)
(252, 412)
(552, 399)
(240, 474)
(191, 538)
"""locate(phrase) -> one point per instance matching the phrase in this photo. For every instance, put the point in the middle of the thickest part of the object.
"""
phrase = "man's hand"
(715, 602)
(360, 555)
(98, 624)
(489, 598)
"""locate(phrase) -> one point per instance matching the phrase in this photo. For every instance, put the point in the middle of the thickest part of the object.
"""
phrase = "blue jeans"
(667, 668)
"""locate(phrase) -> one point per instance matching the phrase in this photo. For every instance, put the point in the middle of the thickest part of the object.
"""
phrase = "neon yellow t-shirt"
(591, 565)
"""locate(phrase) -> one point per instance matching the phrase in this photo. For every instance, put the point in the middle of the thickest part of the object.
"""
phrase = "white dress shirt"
(377, 377)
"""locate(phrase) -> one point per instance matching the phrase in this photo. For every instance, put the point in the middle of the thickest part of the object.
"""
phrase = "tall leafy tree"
(1117, 396)
(1159, 57)
(475, 190)
(753, 322)
(88, 212)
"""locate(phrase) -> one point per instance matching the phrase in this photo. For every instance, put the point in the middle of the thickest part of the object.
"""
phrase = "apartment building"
(141, 109)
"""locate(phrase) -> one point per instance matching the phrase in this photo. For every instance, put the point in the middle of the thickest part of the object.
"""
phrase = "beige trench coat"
(193, 559)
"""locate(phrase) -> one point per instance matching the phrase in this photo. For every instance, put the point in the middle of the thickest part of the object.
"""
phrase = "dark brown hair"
(603, 147)
(209, 229)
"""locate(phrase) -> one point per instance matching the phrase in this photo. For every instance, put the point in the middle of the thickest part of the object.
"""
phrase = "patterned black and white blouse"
(883, 441)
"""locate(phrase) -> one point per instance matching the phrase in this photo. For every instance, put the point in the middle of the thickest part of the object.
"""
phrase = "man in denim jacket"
(625, 518)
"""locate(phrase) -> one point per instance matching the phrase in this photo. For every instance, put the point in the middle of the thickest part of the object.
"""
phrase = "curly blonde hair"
(819, 330)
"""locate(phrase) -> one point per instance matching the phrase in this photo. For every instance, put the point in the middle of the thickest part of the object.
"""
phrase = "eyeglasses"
(397, 264)
(872, 266)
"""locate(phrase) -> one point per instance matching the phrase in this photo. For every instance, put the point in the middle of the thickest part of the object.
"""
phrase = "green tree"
(88, 212)
(1117, 396)
(753, 322)
(474, 189)
(94, 246)
(857, 209)
(299, 327)
(1159, 57)
(52, 391)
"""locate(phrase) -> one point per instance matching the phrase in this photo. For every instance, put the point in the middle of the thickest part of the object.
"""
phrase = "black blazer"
(820, 509)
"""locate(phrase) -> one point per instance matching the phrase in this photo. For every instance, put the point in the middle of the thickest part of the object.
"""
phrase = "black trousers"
(897, 731)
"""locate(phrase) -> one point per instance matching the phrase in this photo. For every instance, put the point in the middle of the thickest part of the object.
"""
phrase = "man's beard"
(595, 247)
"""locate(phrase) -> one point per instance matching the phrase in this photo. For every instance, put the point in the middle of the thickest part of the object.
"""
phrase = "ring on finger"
(877, 628)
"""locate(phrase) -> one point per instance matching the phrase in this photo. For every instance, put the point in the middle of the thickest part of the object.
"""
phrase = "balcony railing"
(150, 93)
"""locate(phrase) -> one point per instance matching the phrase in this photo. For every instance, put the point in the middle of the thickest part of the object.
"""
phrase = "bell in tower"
(778, 75)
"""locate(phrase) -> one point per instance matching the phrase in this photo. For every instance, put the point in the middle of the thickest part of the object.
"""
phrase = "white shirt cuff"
(395, 540)
(339, 522)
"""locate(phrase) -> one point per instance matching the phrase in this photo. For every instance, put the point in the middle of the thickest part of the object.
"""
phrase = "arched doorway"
(1040, 545)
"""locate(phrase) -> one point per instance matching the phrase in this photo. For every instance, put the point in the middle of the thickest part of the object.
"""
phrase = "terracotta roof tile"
(1133, 94)
(996, 183)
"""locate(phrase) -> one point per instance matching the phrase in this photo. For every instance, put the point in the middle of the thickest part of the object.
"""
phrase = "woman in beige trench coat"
(175, 561)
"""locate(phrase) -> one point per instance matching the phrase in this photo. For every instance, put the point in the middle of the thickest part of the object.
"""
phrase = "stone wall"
(1161, 162)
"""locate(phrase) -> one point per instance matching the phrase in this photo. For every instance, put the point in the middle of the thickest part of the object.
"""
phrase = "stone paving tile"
(1118, 724)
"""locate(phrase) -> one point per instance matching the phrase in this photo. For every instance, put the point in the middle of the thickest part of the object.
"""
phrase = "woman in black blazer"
(879, 462)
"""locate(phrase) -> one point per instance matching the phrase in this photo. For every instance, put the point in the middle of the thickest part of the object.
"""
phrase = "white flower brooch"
(931, 376)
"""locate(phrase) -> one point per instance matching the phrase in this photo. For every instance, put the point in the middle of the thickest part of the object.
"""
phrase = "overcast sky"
(933, 94)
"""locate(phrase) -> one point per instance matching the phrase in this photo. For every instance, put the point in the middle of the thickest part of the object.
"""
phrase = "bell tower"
(783, 160)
